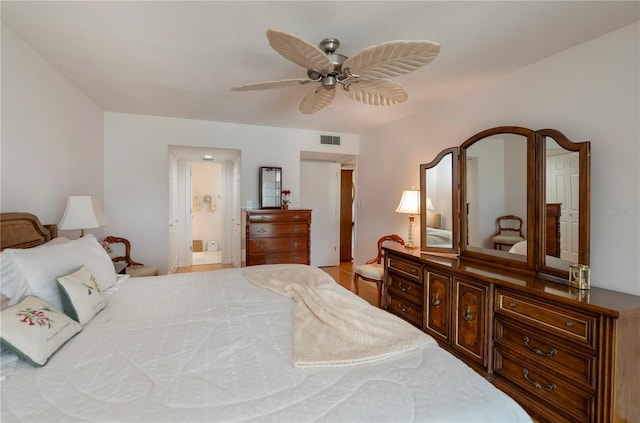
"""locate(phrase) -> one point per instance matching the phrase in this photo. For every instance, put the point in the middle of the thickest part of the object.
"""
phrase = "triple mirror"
(270, 187)
(523, 200)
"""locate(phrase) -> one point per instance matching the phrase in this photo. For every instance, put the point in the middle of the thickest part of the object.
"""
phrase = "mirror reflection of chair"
(373, 270)
(508, 231)
(134, 269)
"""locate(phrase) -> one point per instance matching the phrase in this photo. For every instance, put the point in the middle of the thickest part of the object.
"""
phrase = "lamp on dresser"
(82, 212)
(410, 204)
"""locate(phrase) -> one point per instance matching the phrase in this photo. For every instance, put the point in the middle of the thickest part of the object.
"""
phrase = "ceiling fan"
(359, 75)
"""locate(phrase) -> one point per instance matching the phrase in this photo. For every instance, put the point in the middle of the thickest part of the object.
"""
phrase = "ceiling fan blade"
(272, 84)
(299, 51)
(375, 92)
(391, 58)
(316, 100)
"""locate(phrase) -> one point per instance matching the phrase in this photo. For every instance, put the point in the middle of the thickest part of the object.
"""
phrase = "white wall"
(136, 174)
(590, 92)
(51, 137)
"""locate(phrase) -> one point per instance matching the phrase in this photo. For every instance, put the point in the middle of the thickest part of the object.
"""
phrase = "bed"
(217, 346)
(436, 235)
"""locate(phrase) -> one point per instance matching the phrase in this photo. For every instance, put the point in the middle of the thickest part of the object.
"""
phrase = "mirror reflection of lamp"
(410, 204)
(430, 211)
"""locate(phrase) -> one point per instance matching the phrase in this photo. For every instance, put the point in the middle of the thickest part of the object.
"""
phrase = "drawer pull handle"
(513, 304)
(263, 246)
(552, 352)
(295, 244)
(295, 229)
(570, 323)
(295, 259)
(404, 288)
(414, 271)
(436, 300)
(548, 388)
(262, 217)
(261, 230)
(295, 216)
(468, 315)
(402, 307)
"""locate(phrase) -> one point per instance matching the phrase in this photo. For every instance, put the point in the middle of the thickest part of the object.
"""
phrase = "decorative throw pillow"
(81, 295)
(34, 330)
(33, 271)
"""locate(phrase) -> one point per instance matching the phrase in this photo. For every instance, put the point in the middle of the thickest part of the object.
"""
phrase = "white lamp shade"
(430, 204)
(82, 212)
(97, 212)
(410, 202)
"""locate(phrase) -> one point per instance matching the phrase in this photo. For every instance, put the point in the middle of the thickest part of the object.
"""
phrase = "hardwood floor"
(342, 274)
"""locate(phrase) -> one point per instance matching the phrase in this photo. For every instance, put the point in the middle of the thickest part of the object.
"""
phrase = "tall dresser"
(565, 355)
(272, 236)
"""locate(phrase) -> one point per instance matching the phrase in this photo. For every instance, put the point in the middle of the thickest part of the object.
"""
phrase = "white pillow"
(81, 296)
(35, 270)
(34, 330)
(54, 241)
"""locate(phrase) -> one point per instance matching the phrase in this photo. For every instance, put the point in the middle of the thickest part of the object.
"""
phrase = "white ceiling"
(180, 58)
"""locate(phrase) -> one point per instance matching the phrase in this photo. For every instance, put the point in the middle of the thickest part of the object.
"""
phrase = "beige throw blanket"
(332, 329)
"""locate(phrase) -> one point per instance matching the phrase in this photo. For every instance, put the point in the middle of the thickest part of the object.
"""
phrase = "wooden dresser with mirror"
(566, 355)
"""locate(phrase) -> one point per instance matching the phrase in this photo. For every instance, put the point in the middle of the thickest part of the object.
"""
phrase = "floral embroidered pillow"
(34, 330)
(81, 295)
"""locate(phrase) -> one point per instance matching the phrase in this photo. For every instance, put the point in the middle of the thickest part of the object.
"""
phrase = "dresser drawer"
(277, 258)
(409, 269)
(579, 364)
(293, 216)
(553, 390)
(404, 309)
(268, 230)
(277, 245)
(562, 322)
(403, 287)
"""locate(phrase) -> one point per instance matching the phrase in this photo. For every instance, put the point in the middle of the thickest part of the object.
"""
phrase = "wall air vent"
(329, 139)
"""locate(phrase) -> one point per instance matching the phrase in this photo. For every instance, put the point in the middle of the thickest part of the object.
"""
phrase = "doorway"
(225, 199)
(321, 191)
(206, 212)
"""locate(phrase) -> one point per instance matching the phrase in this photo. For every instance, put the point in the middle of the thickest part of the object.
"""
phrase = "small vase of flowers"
(285, 198)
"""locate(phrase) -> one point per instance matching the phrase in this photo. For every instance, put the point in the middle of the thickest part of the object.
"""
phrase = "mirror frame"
(584, 203)
(455, 214)
(535, 262)
(260, 186)
(496, 257)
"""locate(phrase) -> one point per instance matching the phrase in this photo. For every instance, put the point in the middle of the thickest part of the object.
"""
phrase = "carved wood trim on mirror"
(511, 170)
(497, 179)
(564, 167)
(439, 193)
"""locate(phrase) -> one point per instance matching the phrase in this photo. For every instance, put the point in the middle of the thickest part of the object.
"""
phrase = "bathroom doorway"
(206, 212)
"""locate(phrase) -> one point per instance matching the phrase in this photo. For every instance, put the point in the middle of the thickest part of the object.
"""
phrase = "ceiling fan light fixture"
(329, 82)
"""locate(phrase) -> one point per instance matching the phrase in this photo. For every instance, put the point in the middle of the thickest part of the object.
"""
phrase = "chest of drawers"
(276, 236)
(565, 355)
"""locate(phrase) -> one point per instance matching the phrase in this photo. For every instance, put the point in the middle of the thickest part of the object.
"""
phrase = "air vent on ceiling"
(329, 139)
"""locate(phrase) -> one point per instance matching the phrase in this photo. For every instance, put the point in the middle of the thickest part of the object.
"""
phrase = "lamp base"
(410, 246)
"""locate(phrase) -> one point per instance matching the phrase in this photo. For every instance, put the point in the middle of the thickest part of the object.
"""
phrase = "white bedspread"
(207, 347)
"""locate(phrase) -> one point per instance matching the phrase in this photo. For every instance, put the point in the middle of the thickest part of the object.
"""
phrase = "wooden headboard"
(24, 230)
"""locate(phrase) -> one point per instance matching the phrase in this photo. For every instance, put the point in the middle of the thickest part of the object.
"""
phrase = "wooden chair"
(134, 269)
(373, 270)
(508, 231)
